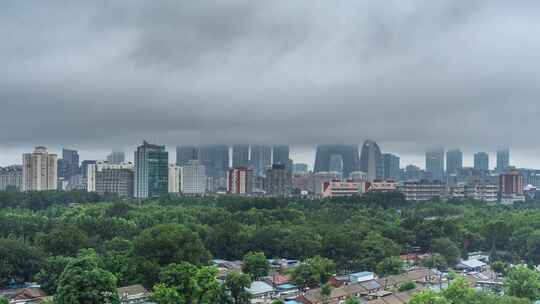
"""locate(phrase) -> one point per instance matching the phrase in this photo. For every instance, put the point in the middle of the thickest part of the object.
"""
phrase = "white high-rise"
(40, 170)
(193, 178)
(174, 178)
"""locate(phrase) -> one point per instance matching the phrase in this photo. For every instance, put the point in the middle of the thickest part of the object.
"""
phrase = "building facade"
(342, 189)
(240, 156)
(40, 170)
(371, 161)
(11, 178)
(116, 157)
(240, 181)
(184, 154)
(278, 181)
(151, 171)
(454, 161)
(422, 190)
(107, 178)
(481, 161)
(261, 159)
(391, 170)
(174, 178)
(349, 154)
(280, 154)
(435, 164)
(193, 178)
(503, 160)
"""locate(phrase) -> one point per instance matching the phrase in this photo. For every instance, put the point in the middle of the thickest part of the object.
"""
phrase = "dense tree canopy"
(136, 241)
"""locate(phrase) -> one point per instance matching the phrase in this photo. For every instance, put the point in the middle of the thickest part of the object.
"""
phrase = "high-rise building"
(349, 154)
(454, 161)
(11, 178)
(240, 181)
(280, 154)
(503, 160)
(278, 180)
(152, 171)
(40, 170)
(300, 168)
(336, 164)
(261, 159)
(215, 158)
(84, 167)
(116, 157)
(391, 166)
(318, 179)
(185, 154)
(107, 178)
(435, 164)
(481, 161)
(371, 160)
(68, 166)
(193, 178)
(174, 178)
(240, 156)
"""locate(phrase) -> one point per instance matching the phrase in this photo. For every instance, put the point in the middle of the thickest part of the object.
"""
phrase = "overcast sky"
(97, 75)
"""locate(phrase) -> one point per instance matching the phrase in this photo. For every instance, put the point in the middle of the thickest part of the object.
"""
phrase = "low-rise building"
(343, 189)
(11, 177)
(106, 178)
(422, 190)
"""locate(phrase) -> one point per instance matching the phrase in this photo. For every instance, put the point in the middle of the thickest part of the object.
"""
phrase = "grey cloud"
(409, 74)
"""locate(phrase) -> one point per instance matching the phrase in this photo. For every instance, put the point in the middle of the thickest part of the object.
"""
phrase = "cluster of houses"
(365, 286)
(33, 294)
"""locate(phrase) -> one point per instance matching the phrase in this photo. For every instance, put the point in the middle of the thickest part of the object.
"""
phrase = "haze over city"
(101, 75)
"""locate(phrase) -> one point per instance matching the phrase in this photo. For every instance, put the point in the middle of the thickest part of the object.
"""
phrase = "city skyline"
(299, 154)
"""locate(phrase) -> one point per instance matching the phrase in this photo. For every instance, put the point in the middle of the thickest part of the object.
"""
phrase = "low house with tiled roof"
(133, 294)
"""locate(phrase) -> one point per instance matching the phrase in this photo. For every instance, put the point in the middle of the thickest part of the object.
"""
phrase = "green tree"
(209, 290)
(407, 286)
(66, 240)
(522, 282)
(3, 300)
(376, 248)
(18, 261)
(83, 281)
(533, 248)
(182, 277)
(166, 295)
(390, 266)
(448, 249)
(278, 302)
(51, 271)
(236, 283)
(459, 292)
(313, 272)
(256, 265)
(171, 243)
(428, 297)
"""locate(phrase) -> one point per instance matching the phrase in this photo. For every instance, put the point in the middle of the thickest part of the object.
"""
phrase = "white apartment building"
(40, 170)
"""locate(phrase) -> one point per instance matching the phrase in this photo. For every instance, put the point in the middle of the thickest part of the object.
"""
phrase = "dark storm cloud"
(409, 74)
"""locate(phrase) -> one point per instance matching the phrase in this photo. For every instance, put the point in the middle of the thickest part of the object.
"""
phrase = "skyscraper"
(215, 158)
(39, 170)
(185, 154)
(152, 171)
(240, 156)
(349, 154)
(435, 164)
(391, 166)
(69, 164)
(454, 161)
(280, 154)
(481, 161)
(116, 157)
(503, 160)
(371, 160)
(261, 159)
(336, 164)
